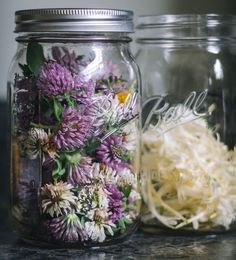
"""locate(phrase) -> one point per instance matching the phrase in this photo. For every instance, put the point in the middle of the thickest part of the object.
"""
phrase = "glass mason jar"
(187, 65)
(73, 89)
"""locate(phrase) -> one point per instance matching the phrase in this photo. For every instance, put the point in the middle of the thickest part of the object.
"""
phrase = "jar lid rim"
(74, 20)
(178, 19)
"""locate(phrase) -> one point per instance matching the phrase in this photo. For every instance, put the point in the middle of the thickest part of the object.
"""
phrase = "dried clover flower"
(80, 172)
(67, 228)
(74, 129)
(58, 198)
(112, 152)
(54, 79)
(97, 229)
(39, 140)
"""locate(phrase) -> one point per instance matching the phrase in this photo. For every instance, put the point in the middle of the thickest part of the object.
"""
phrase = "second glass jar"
(187, 65)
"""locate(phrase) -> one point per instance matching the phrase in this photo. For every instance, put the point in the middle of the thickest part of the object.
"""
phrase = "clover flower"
(108, 78)
(67, 228)
(96, 198)
(58, 198)
(54, 79)
(80, 172)
(112, 152)
(67, 59)
(86, 200)
(74, 130)
(115, 201)
(38, 140)
(97, 229)
(83, 90)
(103, 174)
(110, 69)
(126, 177)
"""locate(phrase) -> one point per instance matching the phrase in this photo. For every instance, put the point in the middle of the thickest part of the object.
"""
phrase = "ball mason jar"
(187, 65)
(73, 90)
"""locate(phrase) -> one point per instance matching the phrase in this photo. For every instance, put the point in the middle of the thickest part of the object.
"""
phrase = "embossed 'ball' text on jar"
(73, 90)
(187, 65)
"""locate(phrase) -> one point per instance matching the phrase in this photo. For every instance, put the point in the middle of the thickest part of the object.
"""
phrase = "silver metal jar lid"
(74, 20)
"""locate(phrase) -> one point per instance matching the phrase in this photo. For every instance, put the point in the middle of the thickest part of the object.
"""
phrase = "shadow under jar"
(73, 89)
(187, 65)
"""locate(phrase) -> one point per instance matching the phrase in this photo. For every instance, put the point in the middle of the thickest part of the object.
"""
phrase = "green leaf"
(73, 158)
(35, 57)
(128, 221)
(58, 171)
(82, 221)
(122, 222)
(124, 155)
(69, 100)
(57, 109)
(127, 190)
(91, 145)
(26, 70)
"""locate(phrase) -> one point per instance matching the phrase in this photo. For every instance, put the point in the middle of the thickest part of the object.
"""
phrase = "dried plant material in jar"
(190, 176)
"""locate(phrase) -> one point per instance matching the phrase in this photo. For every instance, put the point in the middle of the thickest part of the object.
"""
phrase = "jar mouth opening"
(209, 27)
(175, 20)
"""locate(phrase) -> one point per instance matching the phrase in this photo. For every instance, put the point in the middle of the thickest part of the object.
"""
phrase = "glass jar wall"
(74, 140)
(187, 65)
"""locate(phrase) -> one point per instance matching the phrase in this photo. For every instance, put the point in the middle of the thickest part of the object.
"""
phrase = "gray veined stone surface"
(139, 246)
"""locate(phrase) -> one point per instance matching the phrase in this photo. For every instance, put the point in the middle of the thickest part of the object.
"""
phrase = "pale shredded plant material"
(190, 175)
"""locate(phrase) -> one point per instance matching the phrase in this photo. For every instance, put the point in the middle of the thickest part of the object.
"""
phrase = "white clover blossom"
(103, 174)
(131, 135)
(103, 200)
(92, 197)
(126, 177)
(96, 230)
(86, 202)
(58, 198)
(38, 139)
(106, 175)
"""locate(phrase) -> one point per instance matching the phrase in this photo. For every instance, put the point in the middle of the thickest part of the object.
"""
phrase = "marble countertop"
(139, 246)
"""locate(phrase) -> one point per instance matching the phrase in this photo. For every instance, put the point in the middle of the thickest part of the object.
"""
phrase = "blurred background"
(8, 47)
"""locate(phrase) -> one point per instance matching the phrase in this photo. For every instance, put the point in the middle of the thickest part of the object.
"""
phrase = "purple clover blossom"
(115, 202)
(110, 69)
(117, 85)
(54, 79)
(80, 173)
(110, 152)
(69, 60)
(74, 130)
(109, 79)
(67, 228)
(83, 90)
